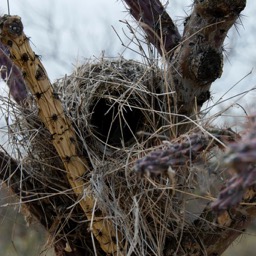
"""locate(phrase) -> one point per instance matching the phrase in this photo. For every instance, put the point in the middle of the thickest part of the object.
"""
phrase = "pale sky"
(64, 32)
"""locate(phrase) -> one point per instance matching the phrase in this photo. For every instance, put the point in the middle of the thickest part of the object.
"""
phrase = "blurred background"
(68, 33)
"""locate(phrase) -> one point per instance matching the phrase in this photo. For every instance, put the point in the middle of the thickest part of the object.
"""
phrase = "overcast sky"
(65, 32)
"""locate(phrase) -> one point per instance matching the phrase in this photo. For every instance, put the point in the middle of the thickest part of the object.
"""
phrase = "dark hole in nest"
(114, 124)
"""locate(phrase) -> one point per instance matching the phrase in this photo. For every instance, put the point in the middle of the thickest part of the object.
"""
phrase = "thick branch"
(198, 60)
(157, 24)
(52, 114)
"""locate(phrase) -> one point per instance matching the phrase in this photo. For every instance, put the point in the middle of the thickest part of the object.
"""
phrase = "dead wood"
(52, 115)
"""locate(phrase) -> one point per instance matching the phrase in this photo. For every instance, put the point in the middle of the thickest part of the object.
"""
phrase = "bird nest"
(119, 112)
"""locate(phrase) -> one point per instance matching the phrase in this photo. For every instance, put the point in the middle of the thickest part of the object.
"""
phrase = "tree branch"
(157, 24)
(52, 115)
(197, 62)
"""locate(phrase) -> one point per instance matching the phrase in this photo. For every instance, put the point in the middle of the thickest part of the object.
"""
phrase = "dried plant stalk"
(52, 114)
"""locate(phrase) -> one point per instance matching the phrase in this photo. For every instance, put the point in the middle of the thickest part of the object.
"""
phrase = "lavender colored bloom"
(11, 74)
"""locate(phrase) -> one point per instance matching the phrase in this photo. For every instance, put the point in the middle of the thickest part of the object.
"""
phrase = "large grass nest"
(120, 113)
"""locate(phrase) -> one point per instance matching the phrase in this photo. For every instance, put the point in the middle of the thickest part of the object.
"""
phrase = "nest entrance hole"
(116, 124)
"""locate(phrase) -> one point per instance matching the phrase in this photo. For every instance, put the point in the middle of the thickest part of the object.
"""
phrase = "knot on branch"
(220, 9)
(11, 26)
(206, 65)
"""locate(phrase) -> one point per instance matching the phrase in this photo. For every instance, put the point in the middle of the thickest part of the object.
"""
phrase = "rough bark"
(197, 59)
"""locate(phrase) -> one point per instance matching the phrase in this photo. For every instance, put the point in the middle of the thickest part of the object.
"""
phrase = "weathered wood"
(52, 114)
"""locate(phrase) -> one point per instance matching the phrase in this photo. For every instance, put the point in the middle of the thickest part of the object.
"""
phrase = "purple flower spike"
(12, 76)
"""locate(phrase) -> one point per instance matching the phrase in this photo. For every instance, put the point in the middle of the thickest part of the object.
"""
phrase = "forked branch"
(198, 60)
(196, 57)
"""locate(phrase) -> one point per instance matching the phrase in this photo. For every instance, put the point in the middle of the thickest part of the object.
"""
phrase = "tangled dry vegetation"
(115, 158)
